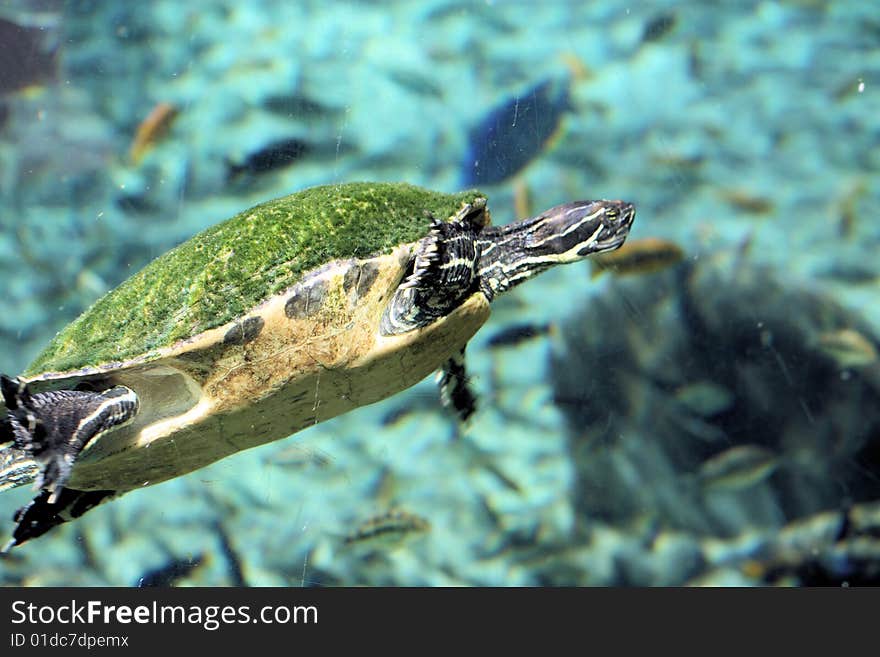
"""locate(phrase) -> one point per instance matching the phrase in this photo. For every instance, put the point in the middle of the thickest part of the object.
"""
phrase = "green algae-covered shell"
(224, 271)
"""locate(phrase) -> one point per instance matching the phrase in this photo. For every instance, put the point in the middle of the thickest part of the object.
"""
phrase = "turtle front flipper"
(44, 513)
(54, 427)
(455, 390)
(443, 271)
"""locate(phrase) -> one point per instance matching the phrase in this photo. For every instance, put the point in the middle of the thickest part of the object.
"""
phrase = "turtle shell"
(228, 269)
(256, 328)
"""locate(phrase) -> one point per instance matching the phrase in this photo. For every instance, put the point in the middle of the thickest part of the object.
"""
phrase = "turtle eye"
(612, 213)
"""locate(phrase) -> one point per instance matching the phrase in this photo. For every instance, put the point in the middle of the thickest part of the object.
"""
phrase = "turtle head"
(464, 254)
(572, 231)
(514, 253)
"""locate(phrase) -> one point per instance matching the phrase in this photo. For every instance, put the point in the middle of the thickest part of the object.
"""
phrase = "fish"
(747, 202)
(136, 204)
(299, 106)
(854, 273)
(688, 162)
(388, 529)
(658, 27)
(642, 256)
(865, 518)
(416, 83)
(848, 212)
(516, 334)
(171, 572)
(848, 348)
(850, 87)
(297, 456)
(514, 132)
(737, 468)
(415, 403)
(27, 58)
(395, 415)
(576, 67)
(233, 560)
(274, 155)
(522, 200)
(705, 398)
(151, 130)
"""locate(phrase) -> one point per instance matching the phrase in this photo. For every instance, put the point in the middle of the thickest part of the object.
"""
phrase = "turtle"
(287, 314)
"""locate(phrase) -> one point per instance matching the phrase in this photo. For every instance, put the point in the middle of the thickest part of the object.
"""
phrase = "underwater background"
(703, 409)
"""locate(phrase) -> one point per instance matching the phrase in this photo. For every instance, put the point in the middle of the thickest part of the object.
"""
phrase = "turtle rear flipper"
(54, 427)
(44, 512)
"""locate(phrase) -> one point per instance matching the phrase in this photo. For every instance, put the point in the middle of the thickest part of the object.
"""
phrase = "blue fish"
(513, 133)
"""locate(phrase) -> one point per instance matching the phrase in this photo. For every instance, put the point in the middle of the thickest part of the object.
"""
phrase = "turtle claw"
(7, 435)
(12, 390)
(455, 390)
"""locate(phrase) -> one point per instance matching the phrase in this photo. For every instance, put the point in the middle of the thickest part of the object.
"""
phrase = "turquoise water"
(715, 421)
